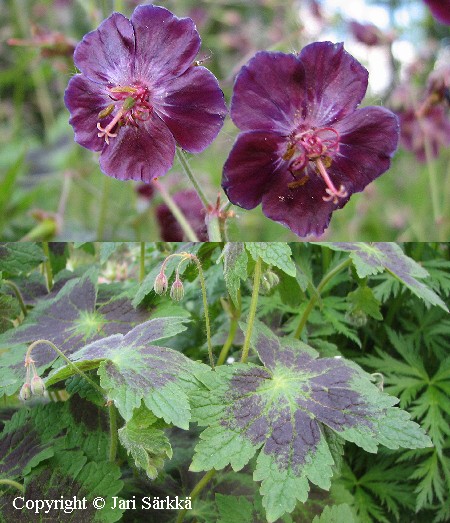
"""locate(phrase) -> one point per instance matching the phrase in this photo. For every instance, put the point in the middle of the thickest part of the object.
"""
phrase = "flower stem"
(18, 295)
(112, 432)
(205, 307)
(142, 263)
(65, 358)
(187, 170)
(103, 208)
(313, 300)
(12, 483)
(228, 342)
(176, 211)
(196, 491)
(48, 266)
(213, 226)
(252, 311)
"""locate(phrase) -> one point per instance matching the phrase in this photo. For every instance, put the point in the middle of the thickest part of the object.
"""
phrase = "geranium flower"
(192, 208)
(140, 92)
(305, 148)
(369, 34)
(440, 9)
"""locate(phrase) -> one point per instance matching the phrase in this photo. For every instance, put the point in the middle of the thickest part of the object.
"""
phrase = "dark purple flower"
(368, 34)
(432, 125)
(191, 206)
(440, 9)
(140, 93)
(305, 148)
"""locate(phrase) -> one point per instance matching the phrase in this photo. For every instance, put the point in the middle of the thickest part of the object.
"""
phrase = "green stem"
(433, 179)
(66, 359)
(228, 342)
(48, 266)
(12, 483)
(315, 296)
(176, 211)
(187, 170)
(196, 491)
(142, 263)
(213, 226)
(112, 432)
(252, 311)
(103, 208)
(18, 295)
(205, 307)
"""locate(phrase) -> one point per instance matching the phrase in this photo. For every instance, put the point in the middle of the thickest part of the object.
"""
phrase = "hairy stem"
(187, 170)
(112, 432)
(66, 359)
(313, 300)
(252, 311)
(205, 307)
(176, 211)
(142, 263)
(228, 342)
(213, 227)
(196, 491)
(18, 295)
(12, 483)
(48, 266)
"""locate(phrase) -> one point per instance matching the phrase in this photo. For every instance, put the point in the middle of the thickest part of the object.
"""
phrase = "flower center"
(313, 146)
(130, 106)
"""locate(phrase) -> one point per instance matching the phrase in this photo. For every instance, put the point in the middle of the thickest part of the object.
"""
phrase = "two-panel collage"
(224, 261)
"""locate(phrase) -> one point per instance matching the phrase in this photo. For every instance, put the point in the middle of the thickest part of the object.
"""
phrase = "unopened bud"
(37, 386)
(160, 286)
(269, 280)
(25, 392)
(177, 290)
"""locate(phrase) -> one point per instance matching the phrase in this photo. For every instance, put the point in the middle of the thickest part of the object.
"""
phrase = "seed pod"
(177, 290)
(25, 392)
(37, 386)
(160, 286)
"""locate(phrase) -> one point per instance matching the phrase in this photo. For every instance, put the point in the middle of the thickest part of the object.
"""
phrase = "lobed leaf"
(278, 254)
(282, 409)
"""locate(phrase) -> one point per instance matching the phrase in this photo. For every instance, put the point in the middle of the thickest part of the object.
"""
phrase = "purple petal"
(267, 93)
(301, 209)
(368, 139)
(193, 108)
(85, 99)
(440, 9)
(252, 166)
(335, 82)
(165, 45)
(141, 153)
(106, 55)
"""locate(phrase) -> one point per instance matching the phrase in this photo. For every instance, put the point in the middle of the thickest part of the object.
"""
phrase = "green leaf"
(19, 258)
(362, 299)
(132, 370)
(234, 268)
(233, 509)
(69, 320)
(373, 258)
(9, 310)
(282, 409)
(335, 514)
(146, 442)
(278, 254)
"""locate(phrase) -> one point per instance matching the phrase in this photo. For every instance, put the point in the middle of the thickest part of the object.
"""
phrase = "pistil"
(333, 193)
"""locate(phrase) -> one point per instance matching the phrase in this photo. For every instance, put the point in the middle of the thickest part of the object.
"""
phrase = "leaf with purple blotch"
(373, 258)
(282, 410)
(133, 370)
(70, 320)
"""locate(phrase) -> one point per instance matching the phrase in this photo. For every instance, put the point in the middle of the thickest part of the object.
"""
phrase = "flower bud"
(269, 280)
(160, 285)
(37, 386)
(25, 392)
(177, 290)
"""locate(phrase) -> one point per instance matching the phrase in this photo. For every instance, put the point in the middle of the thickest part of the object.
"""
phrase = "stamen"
(332, 192)
(106, 131)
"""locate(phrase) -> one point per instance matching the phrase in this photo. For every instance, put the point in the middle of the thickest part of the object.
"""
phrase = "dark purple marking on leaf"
(17, 449)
